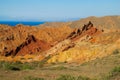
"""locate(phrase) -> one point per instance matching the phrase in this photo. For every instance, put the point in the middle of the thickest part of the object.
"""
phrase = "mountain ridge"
(61, 39)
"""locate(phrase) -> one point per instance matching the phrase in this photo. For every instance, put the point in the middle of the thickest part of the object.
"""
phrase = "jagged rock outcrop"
(78, 35)
(60, 47)
(87, 27)
(30, 46)
(87, 30)
(12, 38)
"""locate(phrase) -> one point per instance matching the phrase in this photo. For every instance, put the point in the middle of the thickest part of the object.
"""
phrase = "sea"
(13, 23)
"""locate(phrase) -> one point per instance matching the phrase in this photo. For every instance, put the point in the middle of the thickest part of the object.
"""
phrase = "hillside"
(87, 49)
(109, 22)
(78, 41)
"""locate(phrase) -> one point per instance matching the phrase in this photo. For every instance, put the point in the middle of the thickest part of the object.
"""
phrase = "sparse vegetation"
(19, 66)
(116, 69)
(69, 77)
(62, 77)
(84, 78)
(53, 71)
(66, 77)
(9, 66)
(58, 68)
(112, 74)
(33, 78)
(116, 51)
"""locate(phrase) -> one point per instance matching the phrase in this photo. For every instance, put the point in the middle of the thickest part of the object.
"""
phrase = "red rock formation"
(16, 40)
(30, 46)
(88, 30)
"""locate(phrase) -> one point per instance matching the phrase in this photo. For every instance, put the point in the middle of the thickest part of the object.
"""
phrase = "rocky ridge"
(60, 44)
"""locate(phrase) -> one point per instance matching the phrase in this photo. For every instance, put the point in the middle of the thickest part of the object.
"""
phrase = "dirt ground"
(96, 69)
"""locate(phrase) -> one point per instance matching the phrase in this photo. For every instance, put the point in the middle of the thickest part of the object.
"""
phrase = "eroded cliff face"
(84, 44)
(60, 44)
(21, 39)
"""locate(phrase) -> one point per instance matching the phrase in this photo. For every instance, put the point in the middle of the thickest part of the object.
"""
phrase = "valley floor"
(106, 68)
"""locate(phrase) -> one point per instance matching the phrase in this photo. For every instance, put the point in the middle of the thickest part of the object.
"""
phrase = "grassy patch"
(16, 66)
(84, 64)
(9, 66)
(66, 77)
(58, 68)
(33, 78)
(116, 69)
(69, 77)
(115, 72)
(62, 77)
(83, 78)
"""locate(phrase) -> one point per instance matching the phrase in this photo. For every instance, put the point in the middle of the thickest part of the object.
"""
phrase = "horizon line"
(55, 20)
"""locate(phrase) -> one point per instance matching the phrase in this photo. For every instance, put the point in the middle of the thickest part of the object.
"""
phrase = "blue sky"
(41, 10)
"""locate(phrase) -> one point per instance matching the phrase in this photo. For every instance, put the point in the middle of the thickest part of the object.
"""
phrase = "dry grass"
(95, 69)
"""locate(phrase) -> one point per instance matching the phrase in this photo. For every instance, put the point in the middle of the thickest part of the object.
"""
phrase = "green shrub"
(116, 69)
(114, 72)
(15, 66)
(9, 66)
(116, 51)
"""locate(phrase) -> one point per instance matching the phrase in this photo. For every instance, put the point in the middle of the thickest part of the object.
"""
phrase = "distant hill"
(100, 22)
